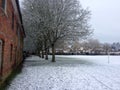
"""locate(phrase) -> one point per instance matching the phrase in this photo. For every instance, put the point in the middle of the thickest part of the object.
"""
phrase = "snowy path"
(69, 73)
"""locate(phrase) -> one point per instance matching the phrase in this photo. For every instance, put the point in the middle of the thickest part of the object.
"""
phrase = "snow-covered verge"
(69, 73)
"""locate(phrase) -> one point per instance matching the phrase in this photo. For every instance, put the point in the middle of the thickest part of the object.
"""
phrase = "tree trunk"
(39, 53)
(45, 47)
(46, 54)
(42, 54)
(53, 53)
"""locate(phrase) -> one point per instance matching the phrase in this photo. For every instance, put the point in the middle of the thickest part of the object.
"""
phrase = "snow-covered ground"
(69, 73)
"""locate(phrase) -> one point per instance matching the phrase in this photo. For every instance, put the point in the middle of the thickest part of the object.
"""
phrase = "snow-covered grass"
(69, 73)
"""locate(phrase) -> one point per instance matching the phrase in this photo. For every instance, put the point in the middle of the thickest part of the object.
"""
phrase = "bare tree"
(76, 46)
(106, 47)
(57, 19)
(94, 45)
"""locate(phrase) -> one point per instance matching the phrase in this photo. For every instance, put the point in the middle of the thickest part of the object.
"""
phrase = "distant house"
(11, 37)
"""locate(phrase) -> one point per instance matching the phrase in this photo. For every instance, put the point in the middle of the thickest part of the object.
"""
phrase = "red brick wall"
(10, 37)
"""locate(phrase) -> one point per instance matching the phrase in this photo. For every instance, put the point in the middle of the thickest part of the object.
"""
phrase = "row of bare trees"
(47, 22)
(92, 45)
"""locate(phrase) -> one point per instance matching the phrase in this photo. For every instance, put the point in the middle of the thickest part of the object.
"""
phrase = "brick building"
(11, 37)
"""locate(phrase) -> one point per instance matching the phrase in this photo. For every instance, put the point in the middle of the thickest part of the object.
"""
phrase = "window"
(1, 54)
(4, 4)
(11, 49)
(18, 37)
(12, 21)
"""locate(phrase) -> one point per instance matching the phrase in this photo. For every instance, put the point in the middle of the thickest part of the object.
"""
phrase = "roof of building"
(18, 7)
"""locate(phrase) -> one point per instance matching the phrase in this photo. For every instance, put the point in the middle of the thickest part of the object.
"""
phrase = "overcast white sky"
(105, 19)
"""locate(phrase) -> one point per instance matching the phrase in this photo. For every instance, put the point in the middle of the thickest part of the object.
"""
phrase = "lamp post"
(108, 57)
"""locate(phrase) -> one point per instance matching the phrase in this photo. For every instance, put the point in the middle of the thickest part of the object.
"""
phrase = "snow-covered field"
(69, 73)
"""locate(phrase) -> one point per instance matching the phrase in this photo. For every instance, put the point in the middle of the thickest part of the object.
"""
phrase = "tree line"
(90, 46)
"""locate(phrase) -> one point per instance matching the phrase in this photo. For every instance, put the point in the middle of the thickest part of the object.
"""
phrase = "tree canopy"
(48, 21)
